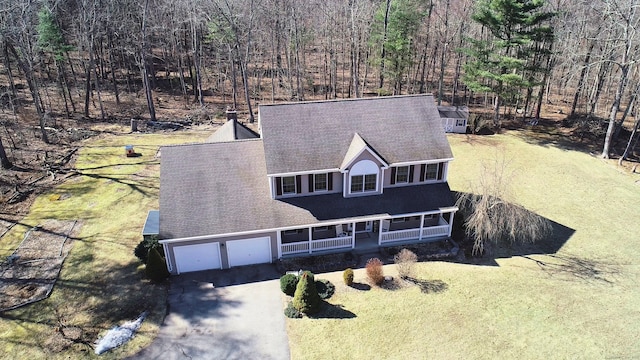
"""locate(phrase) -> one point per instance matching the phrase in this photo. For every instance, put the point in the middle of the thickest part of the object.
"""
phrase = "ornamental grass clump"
(347, 276)
(405, 260)
(375, 272)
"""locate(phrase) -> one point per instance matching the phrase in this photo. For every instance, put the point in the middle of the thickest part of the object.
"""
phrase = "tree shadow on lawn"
(361, 286)
(332, 311)
(577, 268)
(551, 244)
(429, 286)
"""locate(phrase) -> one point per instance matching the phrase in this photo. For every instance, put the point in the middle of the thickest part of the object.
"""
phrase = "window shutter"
(298, 184)
(278, 185)
(393, 175)
(330, 181)
(440, 171)
(411, 173)
(423, 170)
(311, 179)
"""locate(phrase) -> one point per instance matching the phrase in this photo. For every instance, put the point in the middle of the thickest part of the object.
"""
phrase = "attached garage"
(197, 257)
(249, 251)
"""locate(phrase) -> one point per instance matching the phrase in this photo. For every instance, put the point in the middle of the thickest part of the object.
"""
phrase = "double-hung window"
(402, 174)
(364, 183)
(432, 172)
(288, 185)
(320, 182)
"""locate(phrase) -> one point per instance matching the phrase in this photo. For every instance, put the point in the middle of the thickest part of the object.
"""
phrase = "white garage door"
(249, 251)
(197, 257)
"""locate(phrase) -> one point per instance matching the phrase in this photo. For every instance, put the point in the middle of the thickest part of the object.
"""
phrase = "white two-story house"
(322, 176)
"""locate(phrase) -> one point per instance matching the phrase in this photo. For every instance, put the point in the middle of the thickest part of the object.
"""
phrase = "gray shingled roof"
(453, 112)
(232, 130)
(316, 135)
(219, 188)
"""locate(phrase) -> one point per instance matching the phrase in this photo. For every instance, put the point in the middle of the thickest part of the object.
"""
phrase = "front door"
(364, 226)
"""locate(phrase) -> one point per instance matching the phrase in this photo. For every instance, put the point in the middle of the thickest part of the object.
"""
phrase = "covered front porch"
(365, 235)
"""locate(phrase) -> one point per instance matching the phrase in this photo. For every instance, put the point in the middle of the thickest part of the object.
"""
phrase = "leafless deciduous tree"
(492, 216)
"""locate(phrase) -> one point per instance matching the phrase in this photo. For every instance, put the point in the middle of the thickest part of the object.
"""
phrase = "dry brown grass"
(579, 302)
(101, 283)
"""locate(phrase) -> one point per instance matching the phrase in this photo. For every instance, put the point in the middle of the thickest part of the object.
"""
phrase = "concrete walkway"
(223, 314)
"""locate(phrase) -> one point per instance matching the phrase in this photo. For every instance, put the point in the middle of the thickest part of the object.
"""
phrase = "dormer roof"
(357, 147)
(317, 135)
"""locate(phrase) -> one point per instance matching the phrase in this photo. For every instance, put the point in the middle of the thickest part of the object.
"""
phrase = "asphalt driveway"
(223, 314)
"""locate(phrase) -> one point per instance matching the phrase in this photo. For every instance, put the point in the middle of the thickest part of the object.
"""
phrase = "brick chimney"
(231, 114)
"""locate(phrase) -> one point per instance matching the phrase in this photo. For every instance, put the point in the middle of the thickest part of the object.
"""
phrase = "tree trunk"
(442, 56)
(33, 88)
(630, 142)
(143, 65)
(113, 68)
(614, 109)
(197, 58)
(96, 80)
(7, 65)
(384, 42)
(87, 92)
(4, 160)
(583, 75)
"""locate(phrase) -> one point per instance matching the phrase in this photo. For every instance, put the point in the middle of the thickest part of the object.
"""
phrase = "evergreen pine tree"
(501, 62)
(156, 269)
(306, 298)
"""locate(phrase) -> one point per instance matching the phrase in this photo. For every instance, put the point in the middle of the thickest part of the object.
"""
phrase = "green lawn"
(101, 283)
(581, 302)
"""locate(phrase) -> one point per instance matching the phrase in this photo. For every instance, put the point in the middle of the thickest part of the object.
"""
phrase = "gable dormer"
(362, 169)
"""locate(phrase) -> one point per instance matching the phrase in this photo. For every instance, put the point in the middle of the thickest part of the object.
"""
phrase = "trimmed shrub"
(291, 312)
(309, 275)
(347, 276)
(306, 299)
(156, 269)
(288, 283)
(325, 288)
(142, 250)
(404, 262)
(375, 273)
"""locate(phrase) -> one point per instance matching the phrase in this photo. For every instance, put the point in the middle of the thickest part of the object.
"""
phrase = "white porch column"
(310, 238)
(353, 236)
(421, 226)
(279, 237)
(451, 215)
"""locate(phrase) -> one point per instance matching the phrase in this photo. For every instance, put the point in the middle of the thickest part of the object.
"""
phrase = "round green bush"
(291, 312)
(347, 276)
(325, 288)
(288, 283)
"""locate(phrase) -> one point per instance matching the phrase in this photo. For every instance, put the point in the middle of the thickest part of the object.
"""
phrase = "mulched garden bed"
(437, 250)
(319, 263)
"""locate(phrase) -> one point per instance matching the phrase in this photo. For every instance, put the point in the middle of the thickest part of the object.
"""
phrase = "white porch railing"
(414, 234)
(316, 245)
(332, 243)
(399, 235)
(295, 248)
(435, 231)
